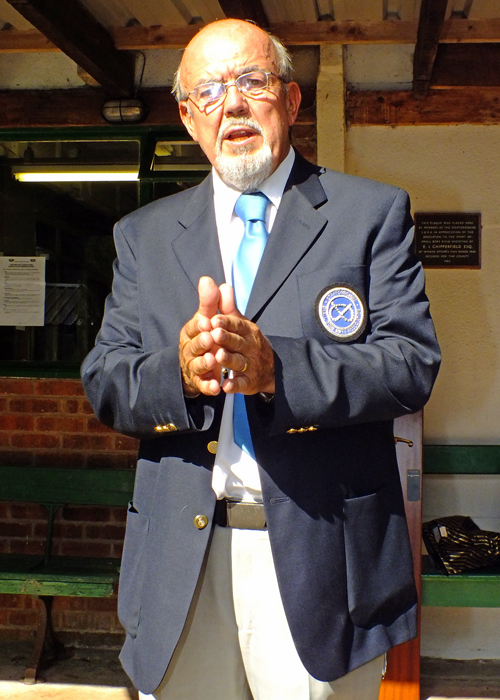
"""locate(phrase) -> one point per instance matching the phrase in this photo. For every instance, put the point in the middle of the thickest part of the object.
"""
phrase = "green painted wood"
(64, 576)
(105, 487)
(461, 459)
(83, 589)
(475, 589)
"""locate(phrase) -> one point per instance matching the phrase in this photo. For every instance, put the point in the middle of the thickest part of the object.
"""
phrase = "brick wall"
(49, 422)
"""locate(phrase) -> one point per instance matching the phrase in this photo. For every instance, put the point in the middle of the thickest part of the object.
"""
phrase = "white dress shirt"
(235, 473)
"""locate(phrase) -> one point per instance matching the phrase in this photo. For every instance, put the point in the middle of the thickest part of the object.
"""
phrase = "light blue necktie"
(251, 209)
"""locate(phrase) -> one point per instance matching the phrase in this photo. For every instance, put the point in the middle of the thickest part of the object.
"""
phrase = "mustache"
(237, 121)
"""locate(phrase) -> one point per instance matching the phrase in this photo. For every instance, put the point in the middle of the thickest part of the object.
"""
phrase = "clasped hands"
(219, 337)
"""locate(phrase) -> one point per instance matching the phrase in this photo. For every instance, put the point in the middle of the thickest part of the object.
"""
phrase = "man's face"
(241, 129)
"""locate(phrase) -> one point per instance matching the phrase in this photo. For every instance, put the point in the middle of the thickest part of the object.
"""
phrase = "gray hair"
(283, 62)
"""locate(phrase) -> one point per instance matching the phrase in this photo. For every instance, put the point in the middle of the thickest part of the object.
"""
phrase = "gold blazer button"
(200, 521)
(212, 447)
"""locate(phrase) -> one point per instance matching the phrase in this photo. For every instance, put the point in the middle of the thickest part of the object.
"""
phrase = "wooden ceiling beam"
(291, 33)
(245, 9)
(430, 25)
(82, 107)
(457, 65)
(472, 105)
(74, 31)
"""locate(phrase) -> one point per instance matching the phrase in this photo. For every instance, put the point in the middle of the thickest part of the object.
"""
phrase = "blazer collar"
(197, 247)
(297, 225)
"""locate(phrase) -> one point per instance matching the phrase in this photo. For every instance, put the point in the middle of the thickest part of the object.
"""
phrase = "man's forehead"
(220, 57)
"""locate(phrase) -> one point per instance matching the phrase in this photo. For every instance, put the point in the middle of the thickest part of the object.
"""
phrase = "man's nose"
(235, 102)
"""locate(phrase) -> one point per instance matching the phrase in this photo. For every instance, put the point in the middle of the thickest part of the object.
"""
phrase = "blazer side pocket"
(379, 566)
(132, 573)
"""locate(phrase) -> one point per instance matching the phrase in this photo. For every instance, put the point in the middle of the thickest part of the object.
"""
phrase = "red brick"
(23, 618)
(62, 603)
(58, 387)
(14, 601)
(103, 604)
(70, 406)
(5, 439)
(69, 460)
(40, 530)
(27, 546)
(63, 424)
(28, 511)
(16, 386)
(13, 529)
(31, 440)
(86, 514)
(87, 442)
(4, 544)
(16, 458)
(95, 426)
(13, 422)
(29, 405)
(68, 530)
(85, 407)
(105, 532)
(4, 510)
(119, 515)
(117, 550)
(3, 405)
(122, 442)
(4, 616)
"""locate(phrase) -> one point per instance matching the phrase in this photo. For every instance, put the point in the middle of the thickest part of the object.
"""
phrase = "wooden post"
(402, 679)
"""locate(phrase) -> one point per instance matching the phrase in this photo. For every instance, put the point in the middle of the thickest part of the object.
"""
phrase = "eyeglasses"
(253, 84)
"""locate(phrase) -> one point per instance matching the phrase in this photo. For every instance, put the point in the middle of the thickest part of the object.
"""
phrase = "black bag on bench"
(456, 544)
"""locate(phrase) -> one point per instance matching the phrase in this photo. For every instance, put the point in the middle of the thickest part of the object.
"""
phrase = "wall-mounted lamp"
(77, 173)
(118, 111)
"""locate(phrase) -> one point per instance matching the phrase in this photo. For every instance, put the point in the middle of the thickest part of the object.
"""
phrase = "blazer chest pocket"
(379, 566)
(132, 573)
(312, 284)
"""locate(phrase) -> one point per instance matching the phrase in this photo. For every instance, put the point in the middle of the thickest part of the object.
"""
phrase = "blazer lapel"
(295, 229)
(197, 247)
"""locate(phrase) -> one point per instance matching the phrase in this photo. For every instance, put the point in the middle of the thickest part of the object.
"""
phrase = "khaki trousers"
(237, 645)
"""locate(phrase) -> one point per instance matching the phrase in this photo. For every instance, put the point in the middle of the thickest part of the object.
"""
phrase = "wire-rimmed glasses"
(253, 84)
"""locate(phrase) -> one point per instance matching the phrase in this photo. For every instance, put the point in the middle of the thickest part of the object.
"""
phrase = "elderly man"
(260, 345)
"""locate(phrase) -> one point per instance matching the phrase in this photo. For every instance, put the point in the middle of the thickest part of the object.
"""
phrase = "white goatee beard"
(246, 169)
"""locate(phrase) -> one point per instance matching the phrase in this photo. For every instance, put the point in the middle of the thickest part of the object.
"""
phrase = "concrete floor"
(89, 674)
(96, 674)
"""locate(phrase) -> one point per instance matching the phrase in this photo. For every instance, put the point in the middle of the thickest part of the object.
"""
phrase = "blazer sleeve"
(390, 371)
(131, 389)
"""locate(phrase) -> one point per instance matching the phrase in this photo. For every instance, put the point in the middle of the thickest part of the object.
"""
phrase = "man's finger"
(209, 294)
(227, 303)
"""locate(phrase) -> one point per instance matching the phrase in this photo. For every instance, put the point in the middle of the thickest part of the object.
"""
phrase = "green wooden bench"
(47, 576)
(478, 588)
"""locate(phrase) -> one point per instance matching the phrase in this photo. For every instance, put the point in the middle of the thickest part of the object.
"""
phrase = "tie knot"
(251, 206)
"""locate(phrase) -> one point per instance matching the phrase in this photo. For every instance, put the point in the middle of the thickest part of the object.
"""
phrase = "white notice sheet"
(22, 291)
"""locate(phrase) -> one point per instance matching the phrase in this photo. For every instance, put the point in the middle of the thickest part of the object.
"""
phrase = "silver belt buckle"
(246, 516)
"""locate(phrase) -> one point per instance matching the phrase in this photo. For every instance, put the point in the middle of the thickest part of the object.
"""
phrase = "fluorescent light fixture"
(75, 173)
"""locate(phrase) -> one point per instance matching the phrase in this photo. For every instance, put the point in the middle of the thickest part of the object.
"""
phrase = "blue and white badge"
(341, 312)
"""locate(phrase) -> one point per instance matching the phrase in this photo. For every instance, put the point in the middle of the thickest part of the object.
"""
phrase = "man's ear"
(293, 98)
(187, 119)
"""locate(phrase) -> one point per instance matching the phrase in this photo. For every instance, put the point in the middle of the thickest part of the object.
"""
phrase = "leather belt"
(239, 514)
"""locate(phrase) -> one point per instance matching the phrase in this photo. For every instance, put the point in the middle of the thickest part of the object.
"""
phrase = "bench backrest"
(47, 485)
(461, 459)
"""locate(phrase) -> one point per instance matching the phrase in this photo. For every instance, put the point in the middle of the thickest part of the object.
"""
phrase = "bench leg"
(46, 642)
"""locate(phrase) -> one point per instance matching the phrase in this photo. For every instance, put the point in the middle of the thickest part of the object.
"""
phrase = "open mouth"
(240, 135)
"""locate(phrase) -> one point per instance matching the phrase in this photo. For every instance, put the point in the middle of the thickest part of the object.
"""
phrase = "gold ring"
(245, 367)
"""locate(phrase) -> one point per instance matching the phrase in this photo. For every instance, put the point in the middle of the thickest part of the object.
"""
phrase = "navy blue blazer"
(332, 495)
